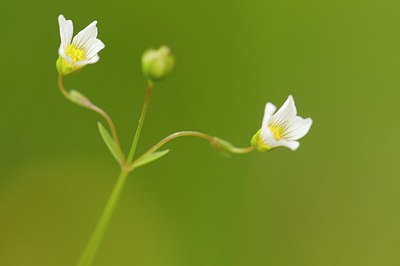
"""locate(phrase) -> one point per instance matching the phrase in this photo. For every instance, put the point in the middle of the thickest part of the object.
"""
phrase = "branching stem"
(89, 105)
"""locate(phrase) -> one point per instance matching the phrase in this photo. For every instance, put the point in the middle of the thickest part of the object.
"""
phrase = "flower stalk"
(86, 103)
(217, 143)
(147, 98)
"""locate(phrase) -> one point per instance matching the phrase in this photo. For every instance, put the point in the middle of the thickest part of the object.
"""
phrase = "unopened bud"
(157, 64)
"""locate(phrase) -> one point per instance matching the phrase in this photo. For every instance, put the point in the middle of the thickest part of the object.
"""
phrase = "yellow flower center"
(277, 131)
(76, 54)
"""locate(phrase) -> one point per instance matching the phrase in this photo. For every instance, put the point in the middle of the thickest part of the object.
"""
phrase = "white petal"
(66, 31)
(92, 60)
(286, 112)
(81, 39)
(93, 47)
(268, 112)
(297, 128)
(270, 140)
(268, 137)
(61, 52)
(293, 145)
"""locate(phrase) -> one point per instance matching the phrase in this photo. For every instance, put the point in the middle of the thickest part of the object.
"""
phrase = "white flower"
(281, 128)
(79, 51)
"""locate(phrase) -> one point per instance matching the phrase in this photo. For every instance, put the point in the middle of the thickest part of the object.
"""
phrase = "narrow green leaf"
(109, 141)
(150, 158)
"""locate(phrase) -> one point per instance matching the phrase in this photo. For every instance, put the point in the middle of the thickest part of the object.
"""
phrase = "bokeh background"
(335, 201)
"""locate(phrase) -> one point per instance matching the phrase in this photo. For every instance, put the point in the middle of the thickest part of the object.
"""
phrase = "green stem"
(89, 105)
(97, 236)
(147, 98)
(213, 141)
(60, 83)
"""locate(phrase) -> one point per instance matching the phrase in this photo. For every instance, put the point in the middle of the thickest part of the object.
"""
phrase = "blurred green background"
(335, 201)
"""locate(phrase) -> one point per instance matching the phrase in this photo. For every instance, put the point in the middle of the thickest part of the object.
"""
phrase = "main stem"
(97, 236)
(147, 98)
(94, 242)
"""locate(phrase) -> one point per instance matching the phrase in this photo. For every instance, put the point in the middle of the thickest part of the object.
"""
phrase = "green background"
(335, 201)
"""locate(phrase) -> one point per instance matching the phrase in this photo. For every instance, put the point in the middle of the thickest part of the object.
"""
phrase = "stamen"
(278, 131)
(76, 54)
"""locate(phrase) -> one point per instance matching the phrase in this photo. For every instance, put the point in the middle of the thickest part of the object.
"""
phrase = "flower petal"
(66, 31)
(297, 128)
(286, 112)
(92, 60)
(268, 137)
(81, 39)
(268, 112)
(93, 47)
(292, 144)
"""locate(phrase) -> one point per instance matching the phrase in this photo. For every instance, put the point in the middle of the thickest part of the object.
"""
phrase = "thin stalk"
(97, 236)
(60, 83)
(245, 150)
(213, 141)
(147, 98)
(89, 105)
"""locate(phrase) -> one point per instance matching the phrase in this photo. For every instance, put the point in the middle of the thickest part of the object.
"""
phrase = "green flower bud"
(258, 143)
(79, 99)
(157, 64)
